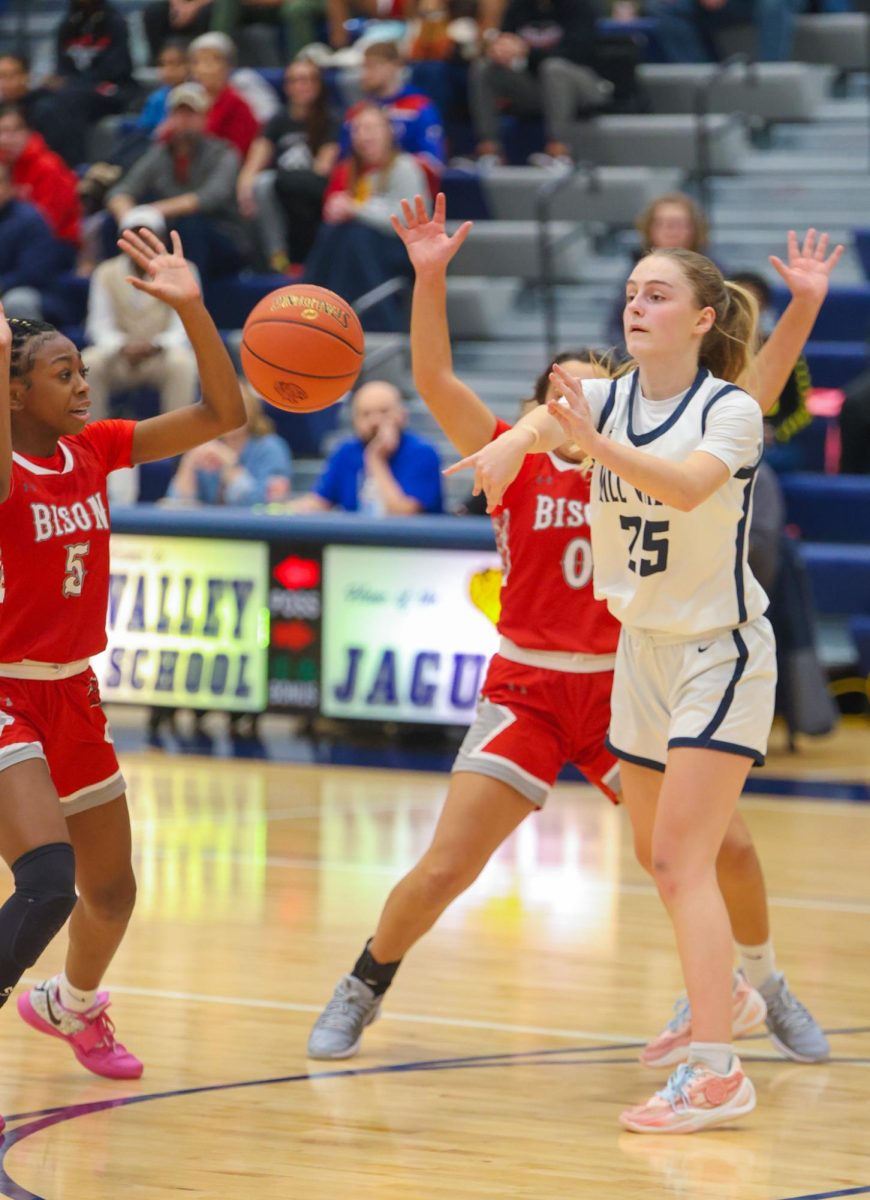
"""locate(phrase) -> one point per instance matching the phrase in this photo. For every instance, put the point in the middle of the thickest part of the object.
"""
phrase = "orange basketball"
(302, 348)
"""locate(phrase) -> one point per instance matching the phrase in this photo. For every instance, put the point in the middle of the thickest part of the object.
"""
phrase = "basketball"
(302, 348)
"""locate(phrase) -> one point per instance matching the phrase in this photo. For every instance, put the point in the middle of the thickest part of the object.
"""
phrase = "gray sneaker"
(792, 1028)
(338, 1030)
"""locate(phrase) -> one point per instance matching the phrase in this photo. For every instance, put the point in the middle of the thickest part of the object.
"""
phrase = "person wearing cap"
(189, 177)
(212, 58)
(135, 340)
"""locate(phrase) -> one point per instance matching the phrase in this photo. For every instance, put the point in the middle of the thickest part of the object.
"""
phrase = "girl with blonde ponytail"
(676, 442)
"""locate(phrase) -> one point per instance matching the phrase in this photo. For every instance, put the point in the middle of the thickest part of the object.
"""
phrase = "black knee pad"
(45, 895)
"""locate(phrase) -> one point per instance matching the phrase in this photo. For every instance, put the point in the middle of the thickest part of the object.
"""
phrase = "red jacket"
(231, 118)
(43, 178)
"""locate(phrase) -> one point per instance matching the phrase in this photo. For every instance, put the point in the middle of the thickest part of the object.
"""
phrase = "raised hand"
(808, 272)
(429, 245)
(168, 277)
(574, 416)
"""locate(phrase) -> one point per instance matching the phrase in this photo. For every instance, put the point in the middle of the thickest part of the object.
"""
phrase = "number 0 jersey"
(54, 548)
(676, 573)
(542, 534)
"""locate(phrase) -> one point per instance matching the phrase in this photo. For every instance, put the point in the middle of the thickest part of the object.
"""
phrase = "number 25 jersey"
(660, 569)
(54, 547)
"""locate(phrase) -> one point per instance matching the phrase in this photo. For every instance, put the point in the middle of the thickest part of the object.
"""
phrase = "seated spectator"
(672, 221)
(415, 120)
(687, 28)
(356, 249)
(249, 466)
(15, 89)
(790, 413)
(338, 12)
(383, 469)
(246, 21)
(542, 61)
(212, 58)
(169, 19)
(28, 252)
(855, 427)
(43, 179)
(300, 144)
(173, 67)
(93, 77)
(190, 178)
(135, 341)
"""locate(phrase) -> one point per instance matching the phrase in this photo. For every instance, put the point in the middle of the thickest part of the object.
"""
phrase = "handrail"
(544, 197)
(383, 291)
(701, 106)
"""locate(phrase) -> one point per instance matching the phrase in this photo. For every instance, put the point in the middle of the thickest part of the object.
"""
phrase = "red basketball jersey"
(54, 547)
(542, 534)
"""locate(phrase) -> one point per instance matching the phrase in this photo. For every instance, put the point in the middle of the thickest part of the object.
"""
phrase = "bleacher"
(781, 145)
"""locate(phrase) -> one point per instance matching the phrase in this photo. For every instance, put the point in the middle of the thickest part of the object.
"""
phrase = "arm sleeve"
(112, 441)
(734, 431)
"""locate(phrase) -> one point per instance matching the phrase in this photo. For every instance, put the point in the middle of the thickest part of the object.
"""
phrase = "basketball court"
(509, 1041)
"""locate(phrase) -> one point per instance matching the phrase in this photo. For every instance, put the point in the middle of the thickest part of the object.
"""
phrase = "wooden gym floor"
(508, 1044)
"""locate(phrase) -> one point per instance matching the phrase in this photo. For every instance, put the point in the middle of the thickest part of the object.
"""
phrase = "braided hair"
(25, 342)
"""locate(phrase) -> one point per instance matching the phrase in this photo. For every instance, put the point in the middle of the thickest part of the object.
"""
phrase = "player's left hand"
(575, 417)
(495, 467)
(809, 268)
(167, 276)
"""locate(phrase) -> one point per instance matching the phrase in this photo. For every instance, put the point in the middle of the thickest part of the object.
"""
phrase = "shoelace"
(682, 1013)
(339, 1007)
(789, 1010)
(106, 1027)
(675, 1091)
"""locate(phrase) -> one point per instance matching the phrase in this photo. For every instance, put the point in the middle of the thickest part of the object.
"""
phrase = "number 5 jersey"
(54, 548)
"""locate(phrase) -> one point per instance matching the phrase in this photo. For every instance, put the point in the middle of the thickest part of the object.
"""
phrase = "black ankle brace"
(378, 976)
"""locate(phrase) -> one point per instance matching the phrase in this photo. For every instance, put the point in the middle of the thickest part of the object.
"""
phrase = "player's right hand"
(496, 466)
(429, 245)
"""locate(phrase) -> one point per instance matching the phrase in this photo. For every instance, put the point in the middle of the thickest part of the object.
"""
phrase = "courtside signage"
(407, 633)
(188, 623)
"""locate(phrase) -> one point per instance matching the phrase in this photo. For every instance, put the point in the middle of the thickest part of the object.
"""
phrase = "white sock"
(73, 998)
(757, 963)
(715, 1055)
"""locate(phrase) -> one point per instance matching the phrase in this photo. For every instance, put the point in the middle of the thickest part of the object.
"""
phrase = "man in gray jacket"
(190, 177)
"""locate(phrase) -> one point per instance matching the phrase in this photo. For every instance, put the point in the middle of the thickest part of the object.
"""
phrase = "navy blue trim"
(608, 406)
(740, 542)
(727, 698)
(702, 743)
(643, 439)
(746, 472)
(634, 758)
(729, 387)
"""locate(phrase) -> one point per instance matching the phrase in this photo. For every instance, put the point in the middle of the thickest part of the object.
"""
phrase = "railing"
(703, 92)
(544, 199)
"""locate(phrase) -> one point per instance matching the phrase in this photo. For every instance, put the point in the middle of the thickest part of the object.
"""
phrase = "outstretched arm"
(460, 412)
(169, 278)
(807, 275)
(5, 413)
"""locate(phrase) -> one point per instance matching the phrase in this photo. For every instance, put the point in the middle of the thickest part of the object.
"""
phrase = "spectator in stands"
(855, 427)
(789, 414)
(673, 221)
(190, 178)
(212, 58)
(28, 252)
(300, 145)
(41, 177)
(135, 341)
(541, 61)
(15, 89)
(251, 465)
(173, 67)
(298, 21)
(383, 468)
(165, 19)
(93, 76)
(355, 249)
(415, 120)
(687, 28)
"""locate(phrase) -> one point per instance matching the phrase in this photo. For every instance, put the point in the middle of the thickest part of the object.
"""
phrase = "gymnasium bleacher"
(779, 145)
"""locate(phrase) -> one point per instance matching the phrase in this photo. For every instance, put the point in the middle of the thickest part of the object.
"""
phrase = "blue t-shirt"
(262, 458)
(415, 466)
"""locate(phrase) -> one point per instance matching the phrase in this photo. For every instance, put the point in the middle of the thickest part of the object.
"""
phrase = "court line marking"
(47, 1118)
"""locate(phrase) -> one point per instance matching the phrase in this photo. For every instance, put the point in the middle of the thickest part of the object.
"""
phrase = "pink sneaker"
(694, 1098)
(91, 1034)
(672, 1044)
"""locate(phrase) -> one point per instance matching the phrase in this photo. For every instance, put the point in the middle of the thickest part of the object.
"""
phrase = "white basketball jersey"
(661, 570)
